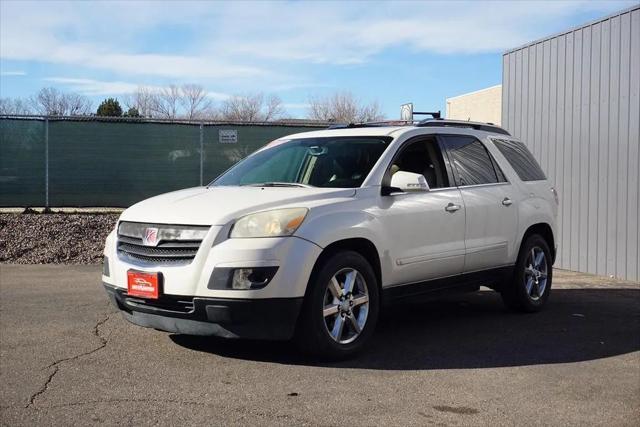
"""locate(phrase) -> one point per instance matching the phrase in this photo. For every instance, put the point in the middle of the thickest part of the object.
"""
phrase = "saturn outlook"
(308, 237)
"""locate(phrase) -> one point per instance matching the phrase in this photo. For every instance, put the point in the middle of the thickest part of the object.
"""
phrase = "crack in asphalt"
(55, 365)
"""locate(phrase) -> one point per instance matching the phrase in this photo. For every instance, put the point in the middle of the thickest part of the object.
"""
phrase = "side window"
(424, 157)
(520, 159)
(470, 160)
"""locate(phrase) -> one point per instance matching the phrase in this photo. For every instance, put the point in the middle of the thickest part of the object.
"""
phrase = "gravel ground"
(55, 238)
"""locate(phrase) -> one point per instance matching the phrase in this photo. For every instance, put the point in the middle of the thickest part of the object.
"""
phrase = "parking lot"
(68, 358)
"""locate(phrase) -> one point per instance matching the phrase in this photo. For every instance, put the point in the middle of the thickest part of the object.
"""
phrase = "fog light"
(241, 278)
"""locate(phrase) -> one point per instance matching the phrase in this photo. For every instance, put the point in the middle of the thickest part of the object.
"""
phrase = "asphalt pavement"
(68, 358)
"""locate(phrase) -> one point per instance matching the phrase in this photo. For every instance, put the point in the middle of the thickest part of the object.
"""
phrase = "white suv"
(307, 237)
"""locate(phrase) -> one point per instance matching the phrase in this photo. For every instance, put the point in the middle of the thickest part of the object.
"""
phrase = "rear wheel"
(341, 307)
(531, 282)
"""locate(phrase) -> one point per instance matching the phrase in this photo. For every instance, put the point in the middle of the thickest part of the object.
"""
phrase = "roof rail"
(487, 127)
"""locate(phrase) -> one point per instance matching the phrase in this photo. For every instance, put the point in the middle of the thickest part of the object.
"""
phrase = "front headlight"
(276, 223)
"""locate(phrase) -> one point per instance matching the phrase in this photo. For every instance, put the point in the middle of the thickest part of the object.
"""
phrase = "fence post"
(46, 163)
(201, 154)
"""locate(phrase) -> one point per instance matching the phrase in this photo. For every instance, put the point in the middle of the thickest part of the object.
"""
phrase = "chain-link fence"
(79, 162)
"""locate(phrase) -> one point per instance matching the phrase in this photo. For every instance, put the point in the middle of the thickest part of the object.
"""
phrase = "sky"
(390, 52)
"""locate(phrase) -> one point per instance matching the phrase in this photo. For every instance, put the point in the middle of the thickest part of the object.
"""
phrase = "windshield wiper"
(279, 184)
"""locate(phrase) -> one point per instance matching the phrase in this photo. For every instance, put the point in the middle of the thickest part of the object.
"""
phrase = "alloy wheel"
(535, 273)
(346, 305)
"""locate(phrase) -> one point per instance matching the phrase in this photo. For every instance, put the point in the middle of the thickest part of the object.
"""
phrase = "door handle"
(507, 201)
(451, 207)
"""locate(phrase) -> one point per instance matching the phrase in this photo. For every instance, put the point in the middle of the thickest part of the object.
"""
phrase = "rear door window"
(520, 159)
(471, 160)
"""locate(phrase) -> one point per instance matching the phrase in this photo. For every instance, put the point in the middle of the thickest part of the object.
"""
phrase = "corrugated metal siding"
(574, 99)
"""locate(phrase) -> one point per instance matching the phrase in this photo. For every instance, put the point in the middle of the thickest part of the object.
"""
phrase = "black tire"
(515, 293)
(312, 333)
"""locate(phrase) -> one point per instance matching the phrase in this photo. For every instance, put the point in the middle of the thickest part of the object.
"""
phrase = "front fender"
(329, 227)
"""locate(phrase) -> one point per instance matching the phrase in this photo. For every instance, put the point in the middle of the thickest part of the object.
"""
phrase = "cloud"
(61, 33)
(351, 33)
(261, 43)
(170, 66)
(13, 73)
(91, 87)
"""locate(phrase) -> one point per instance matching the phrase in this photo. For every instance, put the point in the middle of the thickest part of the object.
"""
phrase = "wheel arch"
(361, 245)
(544, 230)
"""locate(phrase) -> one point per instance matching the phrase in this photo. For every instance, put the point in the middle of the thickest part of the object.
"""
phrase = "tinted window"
(471, 160)
(319, 162)
(520, 159)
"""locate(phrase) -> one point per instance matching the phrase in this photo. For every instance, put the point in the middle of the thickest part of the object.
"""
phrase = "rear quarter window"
(520, 159)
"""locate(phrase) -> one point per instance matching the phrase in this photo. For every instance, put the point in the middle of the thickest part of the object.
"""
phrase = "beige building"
(484, 105)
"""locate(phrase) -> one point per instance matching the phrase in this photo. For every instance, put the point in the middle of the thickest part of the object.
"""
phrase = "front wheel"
(341, 307)
(531, 282)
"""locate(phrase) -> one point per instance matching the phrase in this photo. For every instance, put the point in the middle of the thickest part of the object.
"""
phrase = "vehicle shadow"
(475, 331)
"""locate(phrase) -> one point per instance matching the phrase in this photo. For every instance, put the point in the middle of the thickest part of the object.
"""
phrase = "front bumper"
(294, 257)
(271, 318)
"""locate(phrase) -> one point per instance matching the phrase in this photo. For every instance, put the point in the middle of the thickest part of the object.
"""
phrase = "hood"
(219, 205)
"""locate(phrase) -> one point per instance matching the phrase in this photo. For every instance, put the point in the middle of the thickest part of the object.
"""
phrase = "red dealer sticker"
(143, 285)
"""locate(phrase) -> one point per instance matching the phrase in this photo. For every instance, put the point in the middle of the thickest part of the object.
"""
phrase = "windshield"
(339, 162)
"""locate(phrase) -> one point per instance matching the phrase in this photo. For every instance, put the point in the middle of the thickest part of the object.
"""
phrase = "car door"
(425, 229)
(491, 214)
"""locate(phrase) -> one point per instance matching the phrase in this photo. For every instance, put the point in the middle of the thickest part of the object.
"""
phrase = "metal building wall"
(574, 100)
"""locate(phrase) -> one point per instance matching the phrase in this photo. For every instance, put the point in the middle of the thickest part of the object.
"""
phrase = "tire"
(333, 335)
(530, 285)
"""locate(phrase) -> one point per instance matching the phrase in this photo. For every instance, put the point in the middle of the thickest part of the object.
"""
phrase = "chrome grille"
(176, 244)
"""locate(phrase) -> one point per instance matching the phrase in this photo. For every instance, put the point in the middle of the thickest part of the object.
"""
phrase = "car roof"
(426, 127)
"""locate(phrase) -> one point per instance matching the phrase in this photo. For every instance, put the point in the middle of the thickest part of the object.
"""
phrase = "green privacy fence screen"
(72, 162)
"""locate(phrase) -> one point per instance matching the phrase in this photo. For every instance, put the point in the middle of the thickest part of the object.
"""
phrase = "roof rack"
(435, 121)
(405, 120)
(487, 127)
(371, 124)
(435, 114)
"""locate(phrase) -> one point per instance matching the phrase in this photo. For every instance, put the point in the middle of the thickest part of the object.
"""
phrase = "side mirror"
(409, 182)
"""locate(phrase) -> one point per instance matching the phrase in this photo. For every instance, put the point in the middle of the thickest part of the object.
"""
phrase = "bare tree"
(76, 104)
(344, 107)
(167, 102)
(273, 108)
(194, 101)
(252, 108)
(142, 99)
(241, 108)
(210, 113)
(16, 106)
(191, 101)
(50, 101)
(371, 112)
